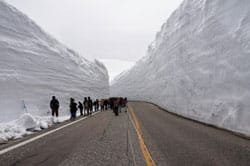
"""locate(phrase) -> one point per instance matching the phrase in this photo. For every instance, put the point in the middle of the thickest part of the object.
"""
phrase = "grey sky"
(101, 29)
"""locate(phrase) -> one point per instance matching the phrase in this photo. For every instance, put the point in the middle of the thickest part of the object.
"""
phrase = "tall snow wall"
(199, 65)
(35, 66)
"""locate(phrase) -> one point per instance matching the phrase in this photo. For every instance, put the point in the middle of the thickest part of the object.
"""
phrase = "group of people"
(86, 107)
(117, 104)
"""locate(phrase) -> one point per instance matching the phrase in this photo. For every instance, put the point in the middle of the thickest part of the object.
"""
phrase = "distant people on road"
(102, 104)
(96, 105)
(54, 105)
(73, 108)
(125, 104)
(111, 103)
(120, 104)
(80, 106)
(116, 106)
(106, 104)
(90, 105)
(86, 106)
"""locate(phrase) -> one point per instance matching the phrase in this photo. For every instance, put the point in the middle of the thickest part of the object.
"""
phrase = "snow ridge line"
(40, 136)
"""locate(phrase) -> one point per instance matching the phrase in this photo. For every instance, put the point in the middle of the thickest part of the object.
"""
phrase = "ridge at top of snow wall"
(35, 66)
(198, 65)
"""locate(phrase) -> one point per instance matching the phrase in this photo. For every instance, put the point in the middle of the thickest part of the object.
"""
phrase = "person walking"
(102, 104)
(94, 104)
(90, 105)
(106, 104)
(80, 106)
(54, 105)
(125, 104)
(85, 103)
(97, 104)
(73, 108)
(120, 104)
(116, 106)
(112, 101)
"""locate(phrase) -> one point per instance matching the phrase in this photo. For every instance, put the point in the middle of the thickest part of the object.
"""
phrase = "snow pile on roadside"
(25, 125)
(34, 66)
(199, 65)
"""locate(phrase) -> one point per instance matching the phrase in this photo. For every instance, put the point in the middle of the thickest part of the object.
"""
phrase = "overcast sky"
(101, 29)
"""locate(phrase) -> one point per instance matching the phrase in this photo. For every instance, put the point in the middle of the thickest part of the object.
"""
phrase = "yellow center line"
(146, 154)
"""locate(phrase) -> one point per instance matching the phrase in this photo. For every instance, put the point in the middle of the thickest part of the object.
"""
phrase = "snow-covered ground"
(34, 66)
(26, 124)
(199, 65)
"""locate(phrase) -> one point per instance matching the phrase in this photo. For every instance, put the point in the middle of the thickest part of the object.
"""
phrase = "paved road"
(174, 141)
(106, 140)
(101, 140)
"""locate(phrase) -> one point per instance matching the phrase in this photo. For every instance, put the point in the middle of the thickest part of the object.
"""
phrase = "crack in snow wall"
(35, 66)
(199, 65)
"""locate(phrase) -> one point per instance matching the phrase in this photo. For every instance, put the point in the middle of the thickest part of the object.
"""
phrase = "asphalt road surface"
(175, 141)
(107, 140)
(100, 140)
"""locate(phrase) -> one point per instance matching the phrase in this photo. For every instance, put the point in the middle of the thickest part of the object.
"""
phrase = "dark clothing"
(90, 106)
(73, 109)
(111, 103)
(120, 101)
(54, 111)
(54, 105)
(97, 105)
(105, 104)
(80, 106)
(115, 109)
(115, 106)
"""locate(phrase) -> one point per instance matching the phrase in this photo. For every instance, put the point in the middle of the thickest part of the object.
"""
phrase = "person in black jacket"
(73, 108)
(116, 106)
(90, 105)
(54, 105)
(105, 104)
(80, 106)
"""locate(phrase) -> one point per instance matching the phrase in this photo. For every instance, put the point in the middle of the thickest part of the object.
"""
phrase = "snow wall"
(34, 66)
(199, 65)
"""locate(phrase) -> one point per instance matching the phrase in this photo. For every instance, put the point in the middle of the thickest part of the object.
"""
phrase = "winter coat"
(80, 106)
(54, 104)
(73, 107)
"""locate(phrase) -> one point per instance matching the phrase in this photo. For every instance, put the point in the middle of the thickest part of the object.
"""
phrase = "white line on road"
(40, 136)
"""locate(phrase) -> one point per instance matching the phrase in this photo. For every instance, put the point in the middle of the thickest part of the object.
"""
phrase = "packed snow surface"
(27, 124)
(34, 66)
(199, 65)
